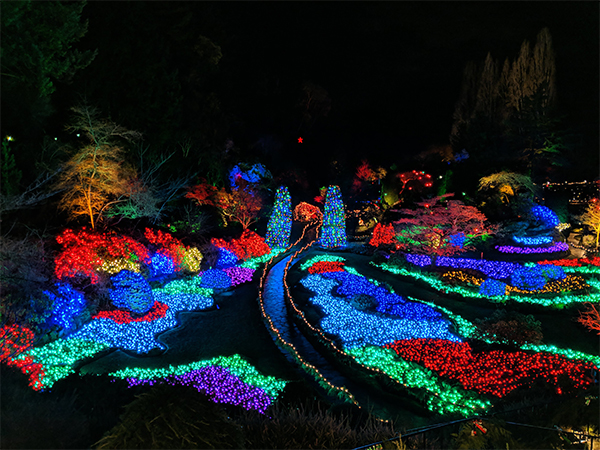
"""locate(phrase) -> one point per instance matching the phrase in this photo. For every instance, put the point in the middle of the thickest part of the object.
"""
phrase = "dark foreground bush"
(173, 417)
(312, 427)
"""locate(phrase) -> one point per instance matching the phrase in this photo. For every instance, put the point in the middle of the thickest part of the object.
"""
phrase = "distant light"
(441, 177)
(299, 140)
(78, 135)
(9, 138)
(56, 139)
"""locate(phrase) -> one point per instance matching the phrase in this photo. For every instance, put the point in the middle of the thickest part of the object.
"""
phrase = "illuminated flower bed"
(554, 248)
(488, 373)
(494, 372)
(559, 287)
(225, 379)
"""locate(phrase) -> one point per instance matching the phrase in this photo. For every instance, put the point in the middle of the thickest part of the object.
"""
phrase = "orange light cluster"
(462, 277)
(570, 283)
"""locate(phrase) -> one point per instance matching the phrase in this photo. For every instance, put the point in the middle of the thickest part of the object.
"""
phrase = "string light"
(440, 397)
(157, 311)
(192, 260)
(333, 234)
(532, 240)
(545, 215)
(418, 260)
(249, 388)
(131, 291)
(161, 264)
(494, 269)
(554, 248)
(321, 258)
(239, 275)
(383, 235)
(280, 223)
(305, 212)
(67, 304)
(494, 372)
(557, 301)
(84, 253)
(528, 278)
(215, 279)
(114, 266)
(491, 288)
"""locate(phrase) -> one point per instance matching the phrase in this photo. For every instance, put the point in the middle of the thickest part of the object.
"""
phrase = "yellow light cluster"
(463, 277)
(568, 284)
(192, 259)
(116, 265)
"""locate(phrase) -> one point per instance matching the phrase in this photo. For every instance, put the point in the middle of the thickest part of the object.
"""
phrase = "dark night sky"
(392, 69)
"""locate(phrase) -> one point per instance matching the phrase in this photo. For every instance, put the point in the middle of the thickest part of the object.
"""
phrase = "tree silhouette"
(95, 176)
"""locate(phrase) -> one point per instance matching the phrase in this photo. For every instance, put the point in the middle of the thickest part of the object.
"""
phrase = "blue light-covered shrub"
(67, 304)
(419, 260)
(545, 215)
(215, 279)
(553, 272)
(528, 278)
(226, 259)
(457, 240)
(161, 265)
(491, 288)
(132, 292)
(280, 223)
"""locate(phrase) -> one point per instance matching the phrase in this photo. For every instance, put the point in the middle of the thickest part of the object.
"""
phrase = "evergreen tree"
(280, 223)
(333, 233)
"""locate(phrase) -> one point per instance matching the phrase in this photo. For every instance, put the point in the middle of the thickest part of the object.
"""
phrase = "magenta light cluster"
(219, 385)
(554, 248)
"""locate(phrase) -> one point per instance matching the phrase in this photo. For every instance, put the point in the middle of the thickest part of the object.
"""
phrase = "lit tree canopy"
(591, 218)
(441, 227)
(95, 177)
(507, 184)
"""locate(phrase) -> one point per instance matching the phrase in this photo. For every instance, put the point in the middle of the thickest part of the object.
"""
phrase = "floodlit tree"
(590, 318)
(507, 184)
(441, 227)
(241, 205)
(591, 218)
(95, 176)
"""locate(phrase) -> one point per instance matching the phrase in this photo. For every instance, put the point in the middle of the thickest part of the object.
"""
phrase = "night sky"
(393, 70)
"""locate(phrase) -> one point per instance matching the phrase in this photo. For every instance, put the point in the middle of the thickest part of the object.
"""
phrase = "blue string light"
(66, 306)
(215, 279)
(492, 288)
(418, 260)
(533, 240)
(358, 328)
(493, 269)
(226, 259)
(161, 264)
(131, 291)
(545, 215)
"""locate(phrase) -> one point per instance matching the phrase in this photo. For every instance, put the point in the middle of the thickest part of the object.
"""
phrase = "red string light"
(326, 266)
(494, 372)
(383, 234)
(158, 311)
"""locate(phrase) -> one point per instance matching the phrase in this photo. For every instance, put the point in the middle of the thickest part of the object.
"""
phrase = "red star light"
(299, 140)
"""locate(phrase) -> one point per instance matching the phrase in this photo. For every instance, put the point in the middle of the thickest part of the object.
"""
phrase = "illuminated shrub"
(457, 240)
(168, 245)
(528, 278)
(333, 233)
(553, 272)
(305, 212)
(132, 292)
(226, 259)
(248, 245)
(419, 260)
(14, 340)
(280, 223)
(383, 235)
(67, 304)
(545, 216)
(192, 260)
(161, 264)
(86, 253)
(239, 275)
(215, 279)
(491, 288)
